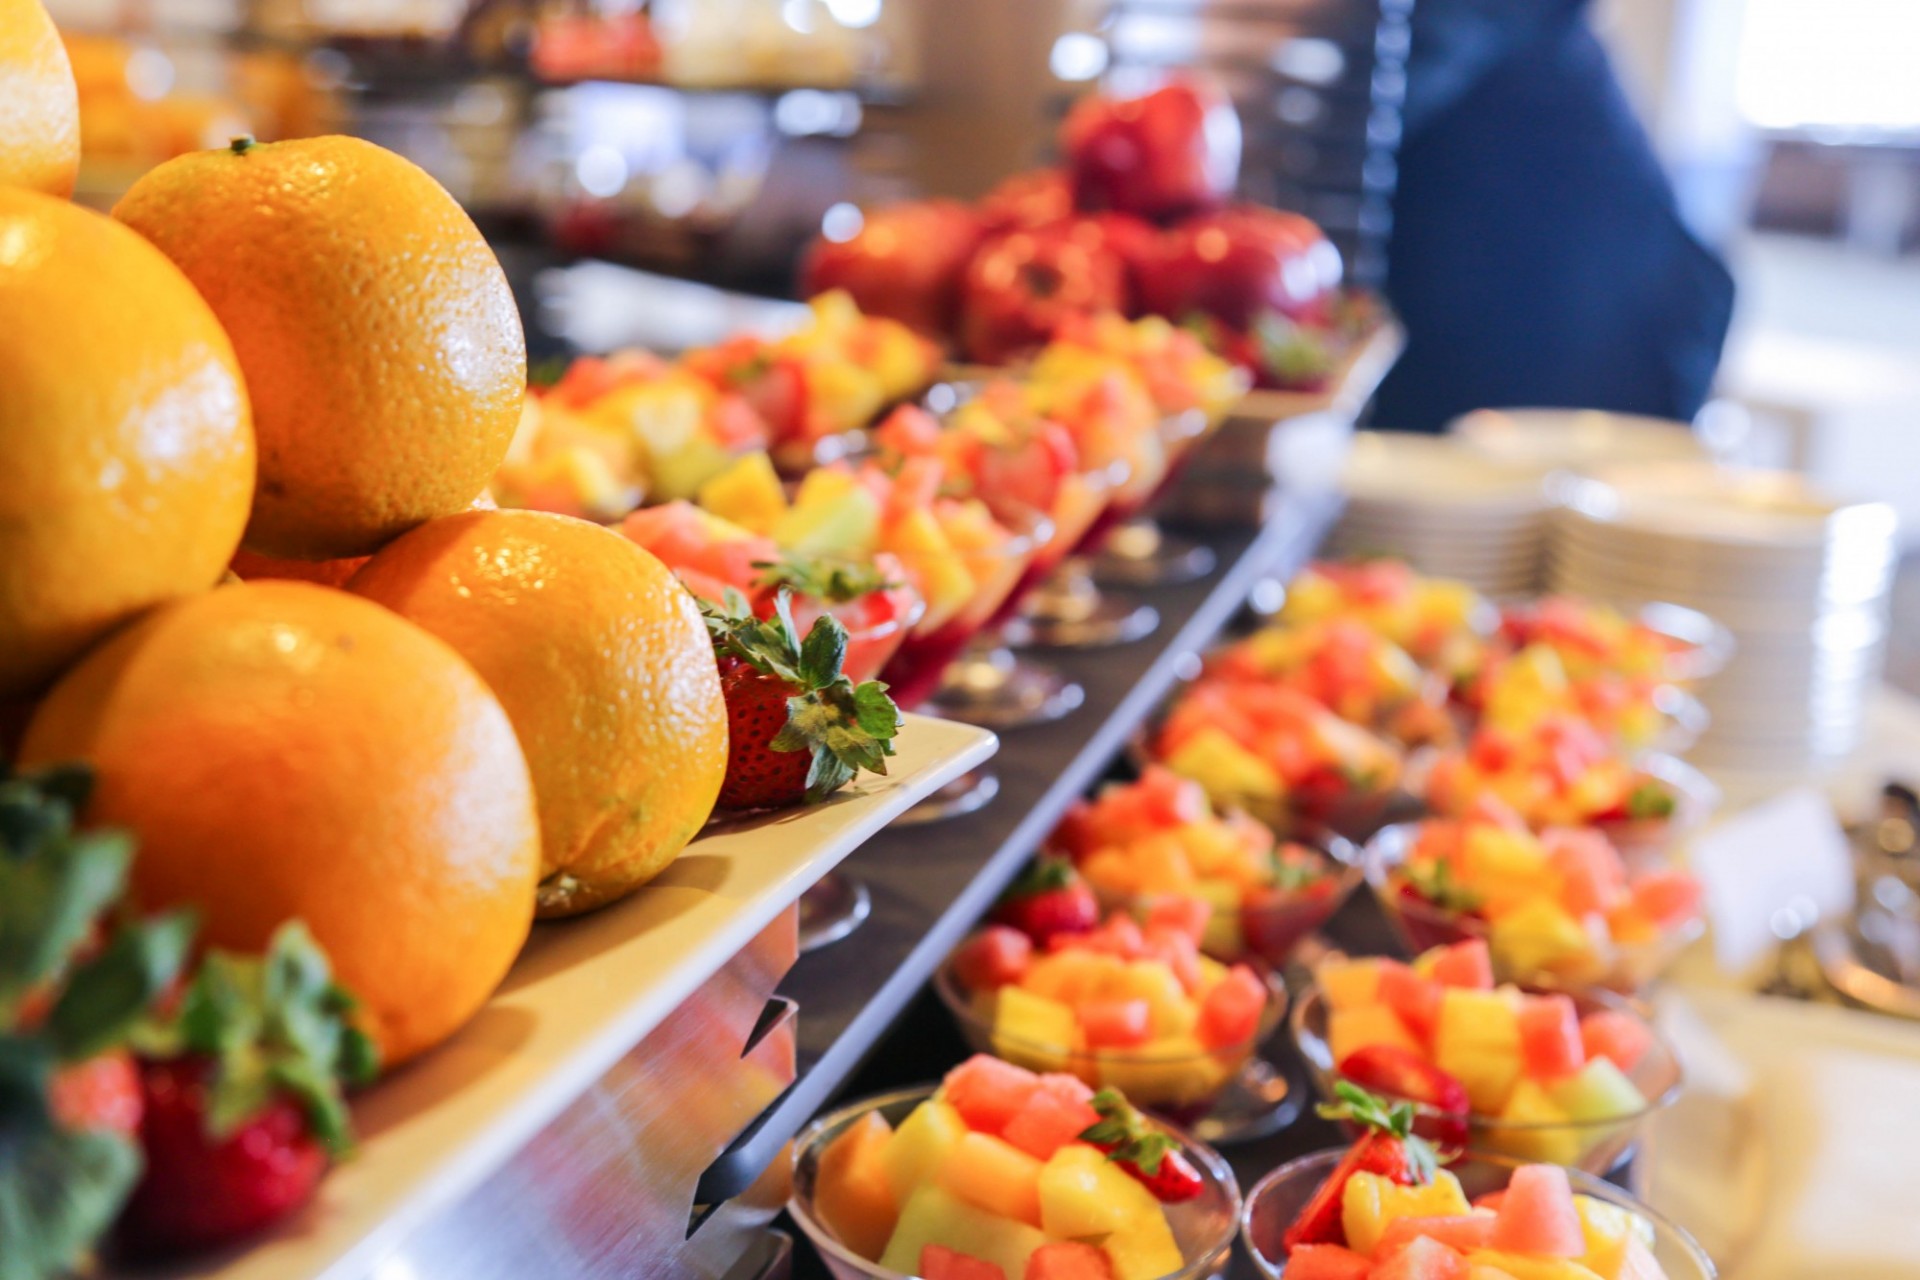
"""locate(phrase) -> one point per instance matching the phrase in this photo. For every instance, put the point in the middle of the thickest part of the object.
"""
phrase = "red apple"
(1173, 152)
(1241, 263)
(1023, 285)
(905, 262)
(1030, 199)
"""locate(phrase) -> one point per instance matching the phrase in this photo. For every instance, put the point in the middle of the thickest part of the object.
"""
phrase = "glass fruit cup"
(1278, 1199)
(877, 624)
(1070, 611)
(1593, 1146)
(1264, 924)
(1138, 552)
(1203, 1227)
(989, 684)
(1226, 1094)
(1626, 968)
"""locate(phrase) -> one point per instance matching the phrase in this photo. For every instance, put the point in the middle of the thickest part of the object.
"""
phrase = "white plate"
(1549, 439)
(1428, 471)
(582, 994)
(1700, 502)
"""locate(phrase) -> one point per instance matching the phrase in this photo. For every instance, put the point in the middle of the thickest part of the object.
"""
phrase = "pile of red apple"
(1138, 221)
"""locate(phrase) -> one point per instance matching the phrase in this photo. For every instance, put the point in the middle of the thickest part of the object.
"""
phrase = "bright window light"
(1837, 64)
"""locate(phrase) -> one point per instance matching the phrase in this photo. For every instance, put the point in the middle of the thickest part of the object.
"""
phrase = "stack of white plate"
(1445, 510)
(1575, 439)
(1799, 577)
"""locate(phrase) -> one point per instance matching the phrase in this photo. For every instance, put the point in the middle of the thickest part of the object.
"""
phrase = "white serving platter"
(583, 993)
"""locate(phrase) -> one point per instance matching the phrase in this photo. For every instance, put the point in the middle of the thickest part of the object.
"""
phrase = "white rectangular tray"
(583, 993)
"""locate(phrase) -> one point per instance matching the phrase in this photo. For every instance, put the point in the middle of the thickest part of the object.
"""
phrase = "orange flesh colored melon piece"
(1352, 1029)
(1350, 984)
(1538, 1216)
(937, 1262)
(852, 1195)
(994, 1175)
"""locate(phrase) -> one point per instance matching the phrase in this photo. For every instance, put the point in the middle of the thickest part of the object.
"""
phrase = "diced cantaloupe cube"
(992, 1174)
(1349, 984)
(1085, 1196)
(918, 1147)
(852, 1193)
(1363, 1025)
(934, 1215)
(1477, 1042)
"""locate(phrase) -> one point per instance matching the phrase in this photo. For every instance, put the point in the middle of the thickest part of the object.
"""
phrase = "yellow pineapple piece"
(1084, 1195)
(1035, 1032)
(1477, 1041)
(918, 1147)
(1540, 936)
(748, 493)
(1227, 771)
(1529, 1104)
(1367, 1024)
(1369, 1202)
(1610, 1231)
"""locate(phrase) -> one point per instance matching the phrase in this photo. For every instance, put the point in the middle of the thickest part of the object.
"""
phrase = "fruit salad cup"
(1128, 1007)
(1664, 643)
(989, 1175)
(1560, 909)
(712, 556)
(1351, 670)
(1561, 1078)
(1442, 623)
(1156, 849)
(1515, 691)
(1280, 756)
(819, 387)
(1562, 773)
(1538, 1238)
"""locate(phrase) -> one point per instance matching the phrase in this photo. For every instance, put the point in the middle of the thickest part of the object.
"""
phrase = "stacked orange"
(291, 358)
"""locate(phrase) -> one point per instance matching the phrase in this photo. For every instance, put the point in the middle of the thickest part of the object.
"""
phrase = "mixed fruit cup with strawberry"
(1114, 1003)
(1004, 1174)
(615, 431)
(1529, 1073)
(1593, 639)
(1517, 690)
(1559, 772)
(830, 378)
(155, 1103)
(1561, 908)
(1348, 668)
(1279, 755)
(1156, 847)
(1442, 623)
(1384, 1209)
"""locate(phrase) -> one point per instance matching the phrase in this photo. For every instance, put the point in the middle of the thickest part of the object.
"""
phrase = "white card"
(1788, 855)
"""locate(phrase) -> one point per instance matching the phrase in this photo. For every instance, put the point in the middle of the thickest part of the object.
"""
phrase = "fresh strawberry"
(1403, 1074)
(1387, 1148)
(797, 728)
(77, 974)
(1153, 1159)
(1049, 900)
(244, 1105)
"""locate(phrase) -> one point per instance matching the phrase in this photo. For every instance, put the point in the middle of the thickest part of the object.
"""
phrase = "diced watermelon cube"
(1326, 1262)
(1068, 1260)
(1538, 1215)
(1117, 935)
(1181, 914)
(1424, 1259)
(1466, 964)
(937, 1262)
(988, 1092)
(993, 958)
(1551, 1046)
(1178, 951)
(1230, 1011)
(1667, 898)
(1169, 800)
(1611, 1033)
(1465, 1233)
(1414, 998)
(1059, 1111)
(1115, 1024)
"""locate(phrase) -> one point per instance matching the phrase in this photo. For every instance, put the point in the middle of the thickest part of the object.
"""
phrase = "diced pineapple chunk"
(1369, 1202)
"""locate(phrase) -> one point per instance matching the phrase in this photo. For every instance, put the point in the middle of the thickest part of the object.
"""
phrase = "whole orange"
(126, 448)
(377, 332)
(39, 107)
(281, 751)
(601, 659)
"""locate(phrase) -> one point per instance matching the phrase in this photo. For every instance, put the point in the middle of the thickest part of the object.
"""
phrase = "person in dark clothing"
(1538, 256)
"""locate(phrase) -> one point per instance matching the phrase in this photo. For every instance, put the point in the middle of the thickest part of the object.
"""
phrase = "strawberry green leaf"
(835, 581)
(106, 997)
(875, 711)
(823, 652)
(1651, 799)
(59, 1191)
